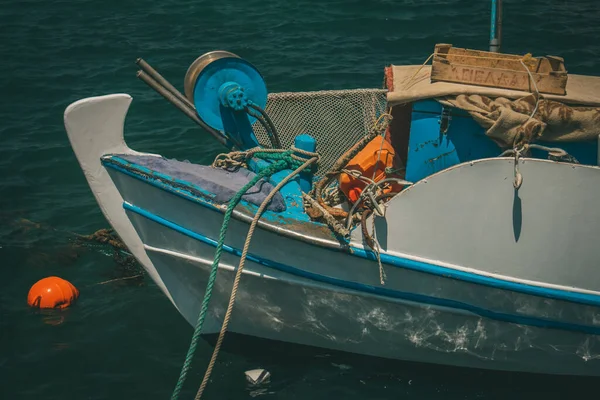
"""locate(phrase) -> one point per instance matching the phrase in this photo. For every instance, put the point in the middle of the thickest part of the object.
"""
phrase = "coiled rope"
(379, 128)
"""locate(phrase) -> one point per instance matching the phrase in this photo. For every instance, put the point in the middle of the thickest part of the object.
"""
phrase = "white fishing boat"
(445, 222)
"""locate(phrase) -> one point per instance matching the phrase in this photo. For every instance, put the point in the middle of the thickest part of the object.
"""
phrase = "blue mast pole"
(496, 26)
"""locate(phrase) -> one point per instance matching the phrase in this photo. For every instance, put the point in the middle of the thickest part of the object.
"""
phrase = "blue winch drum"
(209, 72)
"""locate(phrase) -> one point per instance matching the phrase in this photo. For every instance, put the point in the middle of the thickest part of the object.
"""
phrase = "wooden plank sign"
(483, 68)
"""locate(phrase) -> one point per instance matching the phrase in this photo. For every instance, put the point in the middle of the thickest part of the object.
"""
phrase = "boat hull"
(280, 306)
(308, 290)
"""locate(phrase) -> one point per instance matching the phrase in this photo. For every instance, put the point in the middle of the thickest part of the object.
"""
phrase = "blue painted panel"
(470, 140)
(384, 292)
(430, 151)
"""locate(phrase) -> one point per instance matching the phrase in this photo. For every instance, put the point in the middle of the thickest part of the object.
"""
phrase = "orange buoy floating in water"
(52, 292)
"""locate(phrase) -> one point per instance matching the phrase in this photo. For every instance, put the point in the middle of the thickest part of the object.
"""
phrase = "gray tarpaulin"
(223, 184)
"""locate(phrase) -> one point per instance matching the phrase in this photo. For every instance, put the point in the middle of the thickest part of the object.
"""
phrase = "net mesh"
(337, 119)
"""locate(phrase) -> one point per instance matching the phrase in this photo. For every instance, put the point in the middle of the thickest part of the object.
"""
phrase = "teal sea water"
(123, 339)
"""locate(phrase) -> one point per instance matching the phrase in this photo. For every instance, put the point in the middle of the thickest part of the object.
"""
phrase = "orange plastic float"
(52, 292)
(369, 162)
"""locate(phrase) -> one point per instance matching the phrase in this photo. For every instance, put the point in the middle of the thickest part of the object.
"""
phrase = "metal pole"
(496, 26)
(499, 25)
(162, 81)
(183, 107)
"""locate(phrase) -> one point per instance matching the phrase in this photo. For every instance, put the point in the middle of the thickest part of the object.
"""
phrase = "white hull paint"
(545, 232)
(276, 304)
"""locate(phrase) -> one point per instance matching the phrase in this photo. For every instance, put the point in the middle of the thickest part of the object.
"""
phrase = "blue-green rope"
(281, 161)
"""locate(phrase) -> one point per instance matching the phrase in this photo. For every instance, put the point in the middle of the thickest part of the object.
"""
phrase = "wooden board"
(482, 68)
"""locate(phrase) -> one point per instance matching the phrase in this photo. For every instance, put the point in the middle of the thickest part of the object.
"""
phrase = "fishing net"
(337, 119)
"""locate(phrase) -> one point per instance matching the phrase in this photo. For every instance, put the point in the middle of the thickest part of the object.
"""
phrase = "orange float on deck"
(371, 161)
(52, 292)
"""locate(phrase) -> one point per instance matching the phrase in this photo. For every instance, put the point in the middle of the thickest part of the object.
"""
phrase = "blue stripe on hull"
(558, 294)
(359, 287)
